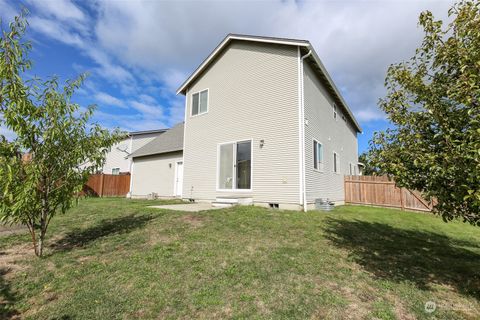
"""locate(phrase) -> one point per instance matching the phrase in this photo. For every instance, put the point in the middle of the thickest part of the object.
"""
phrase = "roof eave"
(153, 154)
(334, 87)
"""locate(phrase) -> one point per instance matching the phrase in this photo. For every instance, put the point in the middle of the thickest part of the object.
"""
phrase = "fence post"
(401, 199)
(101, 184)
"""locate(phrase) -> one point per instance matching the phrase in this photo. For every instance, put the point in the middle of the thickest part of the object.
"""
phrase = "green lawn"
(115, 258)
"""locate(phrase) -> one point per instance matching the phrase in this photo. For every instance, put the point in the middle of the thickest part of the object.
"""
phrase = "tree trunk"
(43, 219)
(31, 229)
(40, 245)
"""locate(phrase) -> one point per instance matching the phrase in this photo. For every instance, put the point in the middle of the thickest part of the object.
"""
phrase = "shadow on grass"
(78, 238)
(7, 297)
(400, 255)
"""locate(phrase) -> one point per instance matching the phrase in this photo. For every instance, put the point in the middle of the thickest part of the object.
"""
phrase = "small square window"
(115, 171)
(200, 102)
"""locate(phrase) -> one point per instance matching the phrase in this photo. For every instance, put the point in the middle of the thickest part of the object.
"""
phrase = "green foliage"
(433, 100)
(369, 168)
(63, 147)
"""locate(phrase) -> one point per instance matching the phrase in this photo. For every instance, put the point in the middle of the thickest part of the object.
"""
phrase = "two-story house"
(266, 125)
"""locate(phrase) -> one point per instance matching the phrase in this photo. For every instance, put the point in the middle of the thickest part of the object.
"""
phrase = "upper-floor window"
(335, 111)
(317, 155)
(200, 102)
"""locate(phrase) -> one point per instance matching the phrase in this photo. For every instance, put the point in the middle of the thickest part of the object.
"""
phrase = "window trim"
(191, 102)
(234, 183)
(322, 167)
(351, 170)
(336, 162)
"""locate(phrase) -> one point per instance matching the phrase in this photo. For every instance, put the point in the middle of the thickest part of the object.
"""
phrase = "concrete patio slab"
(190, 207)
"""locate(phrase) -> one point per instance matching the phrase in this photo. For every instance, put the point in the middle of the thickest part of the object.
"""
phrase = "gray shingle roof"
(169, 141)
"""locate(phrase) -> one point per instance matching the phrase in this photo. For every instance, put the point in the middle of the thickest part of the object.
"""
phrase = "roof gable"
(304, 45)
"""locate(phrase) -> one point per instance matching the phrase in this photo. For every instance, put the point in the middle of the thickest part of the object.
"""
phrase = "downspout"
(302, 130)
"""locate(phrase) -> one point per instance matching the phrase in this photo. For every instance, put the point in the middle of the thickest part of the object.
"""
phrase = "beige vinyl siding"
(142, 139)
(253, 95)
(116, 158)
(336, 136)
(154, 174)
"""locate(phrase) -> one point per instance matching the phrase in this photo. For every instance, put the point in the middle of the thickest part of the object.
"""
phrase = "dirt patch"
(15, 229)
(160, 238)
(10, 257)
(195, 221)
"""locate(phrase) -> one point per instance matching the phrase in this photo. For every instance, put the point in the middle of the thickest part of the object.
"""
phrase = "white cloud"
(357, 40)
(370, 114)
(152, 46)
(129, 122)
(56, 30)
(148, 110)
(8, 12)
(63, 10)
(107, 99)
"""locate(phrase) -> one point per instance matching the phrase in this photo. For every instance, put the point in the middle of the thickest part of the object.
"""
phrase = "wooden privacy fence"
(107, 185)
(380, 191)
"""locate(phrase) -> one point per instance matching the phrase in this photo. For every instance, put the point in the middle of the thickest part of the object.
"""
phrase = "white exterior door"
(178, 178)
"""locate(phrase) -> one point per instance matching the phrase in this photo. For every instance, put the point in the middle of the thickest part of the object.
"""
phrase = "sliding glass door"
(235, 166)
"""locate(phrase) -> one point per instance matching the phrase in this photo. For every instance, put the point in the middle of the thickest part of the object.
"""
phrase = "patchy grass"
(115, 258)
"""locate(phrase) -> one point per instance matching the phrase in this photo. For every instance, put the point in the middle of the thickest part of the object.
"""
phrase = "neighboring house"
(264, 125)
(157, 167)
(117, 161)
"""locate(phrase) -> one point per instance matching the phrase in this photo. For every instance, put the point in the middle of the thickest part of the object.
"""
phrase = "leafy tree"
(433, 100)
(63, 148)
(369, 168)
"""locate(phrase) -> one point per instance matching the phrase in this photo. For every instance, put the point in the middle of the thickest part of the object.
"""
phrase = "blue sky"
(138, 52)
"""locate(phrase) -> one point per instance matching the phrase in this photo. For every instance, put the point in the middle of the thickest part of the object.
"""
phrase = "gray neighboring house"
(157, 167)
(265, 125)
(117, 160)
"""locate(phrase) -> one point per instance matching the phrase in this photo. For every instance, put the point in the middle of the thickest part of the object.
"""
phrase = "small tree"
(63, 148)
(433, 100)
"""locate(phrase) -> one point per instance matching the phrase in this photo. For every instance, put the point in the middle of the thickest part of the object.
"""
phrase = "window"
(351, 169)
(335, 162)
(317, 155)
(200, 102)
(334, 111)
(235, 166)
(116, 171)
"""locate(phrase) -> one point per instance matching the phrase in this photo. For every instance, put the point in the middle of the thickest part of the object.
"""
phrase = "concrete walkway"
(190, 207)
